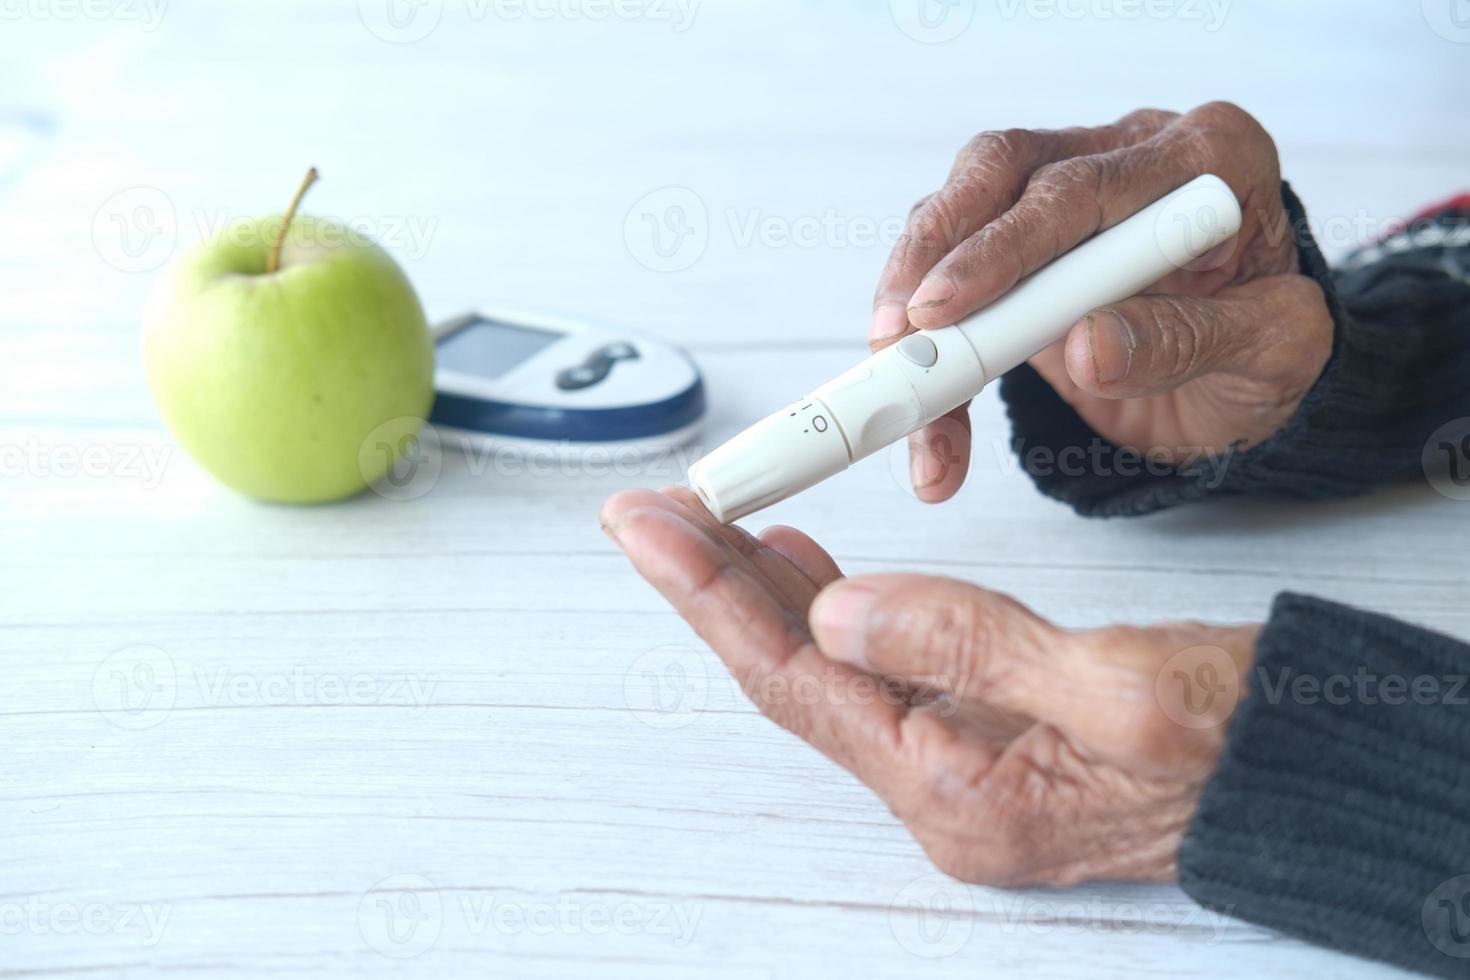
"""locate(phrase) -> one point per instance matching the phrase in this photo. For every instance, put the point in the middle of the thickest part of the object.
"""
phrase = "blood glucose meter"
(524, 383)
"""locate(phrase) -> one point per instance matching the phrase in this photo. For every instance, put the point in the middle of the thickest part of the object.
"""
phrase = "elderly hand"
(1015, 751)
(1216, 355)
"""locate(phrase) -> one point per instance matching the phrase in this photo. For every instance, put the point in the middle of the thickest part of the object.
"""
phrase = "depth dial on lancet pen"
(877, 401)
(815, 419)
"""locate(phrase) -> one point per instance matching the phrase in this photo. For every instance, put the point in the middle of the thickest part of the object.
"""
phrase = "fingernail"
(1112, 346)
(890, 319)
(926, 469)
(934, 291)
(839, 619)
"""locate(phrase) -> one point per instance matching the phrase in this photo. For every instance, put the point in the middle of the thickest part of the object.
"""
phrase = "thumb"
(1270, 330)
(949, 636)
(1101, 688)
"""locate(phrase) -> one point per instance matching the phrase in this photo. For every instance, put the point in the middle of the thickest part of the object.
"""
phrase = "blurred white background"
(497, 146)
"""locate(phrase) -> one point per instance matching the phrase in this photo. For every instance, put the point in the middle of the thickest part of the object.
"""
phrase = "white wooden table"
(456, 735)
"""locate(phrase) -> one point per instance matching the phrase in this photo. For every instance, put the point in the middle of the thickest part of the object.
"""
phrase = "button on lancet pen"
(920, 349)
(915, 381)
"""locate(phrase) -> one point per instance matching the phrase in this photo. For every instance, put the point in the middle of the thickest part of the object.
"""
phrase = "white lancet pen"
(917, 380)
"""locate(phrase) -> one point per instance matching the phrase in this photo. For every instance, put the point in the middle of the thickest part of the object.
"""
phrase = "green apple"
(275, 357)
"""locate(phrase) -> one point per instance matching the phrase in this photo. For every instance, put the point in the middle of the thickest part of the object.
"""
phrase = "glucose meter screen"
(490, 349)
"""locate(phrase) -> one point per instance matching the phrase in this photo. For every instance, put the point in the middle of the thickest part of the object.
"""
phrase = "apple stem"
(274, 262)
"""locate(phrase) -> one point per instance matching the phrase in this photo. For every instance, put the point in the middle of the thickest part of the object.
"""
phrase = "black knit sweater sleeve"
(1340, 812)
(1397, 376)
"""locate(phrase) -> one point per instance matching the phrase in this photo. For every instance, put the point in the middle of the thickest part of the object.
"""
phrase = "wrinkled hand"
(1216, 355)
(1016, 752)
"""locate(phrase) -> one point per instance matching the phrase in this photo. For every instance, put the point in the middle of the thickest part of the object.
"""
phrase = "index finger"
(1063, 205)
(838, 709)
(987, 178)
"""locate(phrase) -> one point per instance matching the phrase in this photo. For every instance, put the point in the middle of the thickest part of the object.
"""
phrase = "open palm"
(1015, 751)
